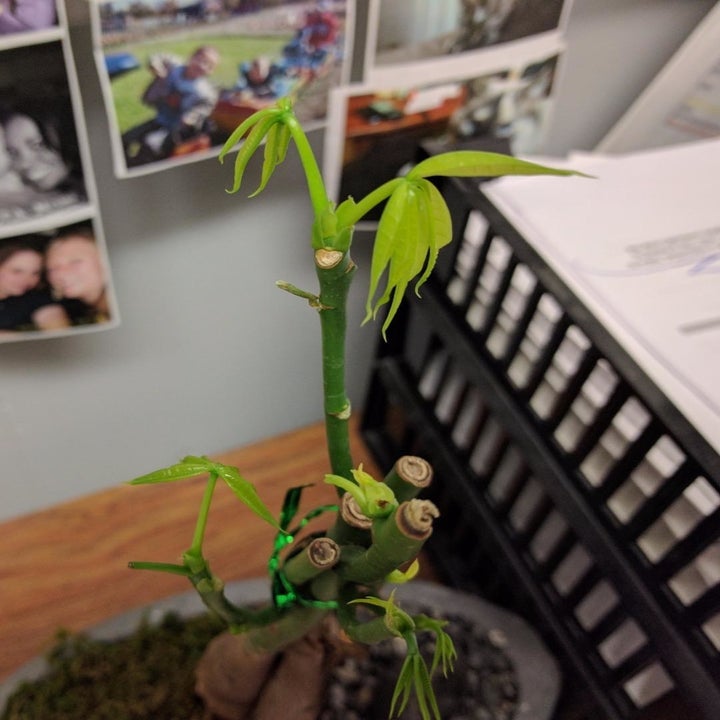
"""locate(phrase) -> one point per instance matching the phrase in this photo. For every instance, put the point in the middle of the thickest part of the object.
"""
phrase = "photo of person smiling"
(38, 163)
(77, 275)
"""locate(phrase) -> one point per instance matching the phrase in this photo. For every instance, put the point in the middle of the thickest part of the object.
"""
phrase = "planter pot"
(535, 675)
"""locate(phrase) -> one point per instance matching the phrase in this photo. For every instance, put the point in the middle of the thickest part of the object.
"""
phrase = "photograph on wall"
(26, 16)
(375, 134)
(54, 283)
(40, 166)
(403, 31)
(179, 77)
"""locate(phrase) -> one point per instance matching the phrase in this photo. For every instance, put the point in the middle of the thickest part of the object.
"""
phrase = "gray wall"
(210, 355)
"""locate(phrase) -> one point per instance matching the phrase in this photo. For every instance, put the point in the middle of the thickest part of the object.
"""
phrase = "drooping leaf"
(239, 132)
(414, 678)
(251, 144)
(438, 228)
(245, 491)
(445, 654)
(413, 227)
(403, 688)
(385, 241)
(410, 251)
(276, 145)
(475, 163)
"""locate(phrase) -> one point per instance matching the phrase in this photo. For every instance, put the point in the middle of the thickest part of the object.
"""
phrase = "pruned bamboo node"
(414, 470)
(345, 413)
(327, 258)
(323, 552)
(415, 518)
(351, 513)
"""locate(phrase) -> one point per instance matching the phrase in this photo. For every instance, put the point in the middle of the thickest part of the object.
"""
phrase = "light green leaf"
(385, 242)
(414, 677)
(439, 228)
(398, 577)
(403, 688)
(375, 499)
(276, 144)
(408, 258)
(245, 491)
(238, 133)
(248, 148)
(188, 467)
(445, 653)
(473, 163)
(413, 227)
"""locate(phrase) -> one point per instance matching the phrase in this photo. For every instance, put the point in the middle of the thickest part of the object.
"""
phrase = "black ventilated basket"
(569, 487)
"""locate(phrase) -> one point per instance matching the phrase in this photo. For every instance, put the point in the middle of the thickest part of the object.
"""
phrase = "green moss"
(147, 676)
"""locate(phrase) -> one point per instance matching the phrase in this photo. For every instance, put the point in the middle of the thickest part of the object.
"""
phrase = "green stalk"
(335, 271)
(291, 626)
(351, 214)
(203, 513)
(396, 539)
(316, 186)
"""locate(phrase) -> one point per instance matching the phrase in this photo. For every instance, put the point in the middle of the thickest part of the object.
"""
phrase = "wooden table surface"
(67, 566)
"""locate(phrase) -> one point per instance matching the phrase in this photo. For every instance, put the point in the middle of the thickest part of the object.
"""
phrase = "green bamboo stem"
(367, 632)
(396, 540)
(335, 271)
(203, 513)
(291, 626)
(351, 214)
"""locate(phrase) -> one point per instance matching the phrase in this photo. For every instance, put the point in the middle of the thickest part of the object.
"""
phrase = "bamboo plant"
(377, 527)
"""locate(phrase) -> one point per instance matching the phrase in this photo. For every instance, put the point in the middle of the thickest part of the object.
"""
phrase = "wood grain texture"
(67, 566)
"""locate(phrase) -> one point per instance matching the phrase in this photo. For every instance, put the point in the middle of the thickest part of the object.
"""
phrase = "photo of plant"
(179, 78)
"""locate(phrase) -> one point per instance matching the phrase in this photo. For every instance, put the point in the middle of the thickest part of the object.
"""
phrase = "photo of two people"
(52, 281)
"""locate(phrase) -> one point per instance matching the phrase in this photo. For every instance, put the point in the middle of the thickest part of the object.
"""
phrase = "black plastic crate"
(569, 487)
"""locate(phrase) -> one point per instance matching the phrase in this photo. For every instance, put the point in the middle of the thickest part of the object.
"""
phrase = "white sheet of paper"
(640, 246)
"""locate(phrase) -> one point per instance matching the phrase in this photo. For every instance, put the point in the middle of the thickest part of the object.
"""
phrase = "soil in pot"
(149, 676)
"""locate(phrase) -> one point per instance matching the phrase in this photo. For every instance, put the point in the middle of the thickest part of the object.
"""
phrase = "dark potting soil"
(149, 676)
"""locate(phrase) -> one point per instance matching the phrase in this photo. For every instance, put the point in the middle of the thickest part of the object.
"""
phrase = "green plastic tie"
(284, 593)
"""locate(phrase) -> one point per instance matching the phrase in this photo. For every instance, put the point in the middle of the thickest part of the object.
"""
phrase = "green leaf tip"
(374, 498)
(476, 163)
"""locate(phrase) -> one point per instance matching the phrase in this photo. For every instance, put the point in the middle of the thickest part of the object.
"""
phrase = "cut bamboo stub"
(409, 476)
(415, 518)
(319, 555)
(323, 552)
(351, 513)
(327, 258)
(414, 470)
